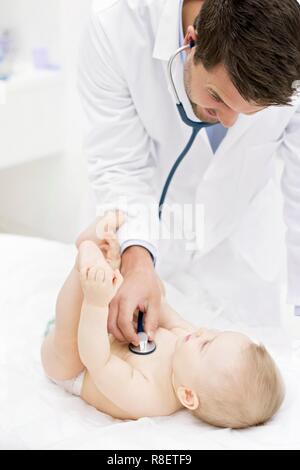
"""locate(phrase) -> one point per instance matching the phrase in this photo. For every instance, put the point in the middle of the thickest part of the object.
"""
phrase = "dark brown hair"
(257, 41)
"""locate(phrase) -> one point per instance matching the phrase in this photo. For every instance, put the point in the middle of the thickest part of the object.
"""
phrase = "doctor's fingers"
(151, 318)
(122, 315)
(112, 322)
(125, 324)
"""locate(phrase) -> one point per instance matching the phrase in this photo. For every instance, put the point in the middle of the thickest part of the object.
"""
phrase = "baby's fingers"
(83, 274)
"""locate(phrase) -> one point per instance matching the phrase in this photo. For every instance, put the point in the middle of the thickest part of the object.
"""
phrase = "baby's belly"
(157, 365)
(95, 398)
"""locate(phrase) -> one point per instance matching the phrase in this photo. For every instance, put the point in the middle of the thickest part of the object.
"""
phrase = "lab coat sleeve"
(121, 165)
(148, 246)
(290, 151)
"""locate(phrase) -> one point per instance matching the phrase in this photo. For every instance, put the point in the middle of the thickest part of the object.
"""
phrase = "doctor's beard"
(201, 113)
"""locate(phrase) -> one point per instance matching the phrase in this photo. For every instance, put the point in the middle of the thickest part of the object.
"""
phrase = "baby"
(222, 377)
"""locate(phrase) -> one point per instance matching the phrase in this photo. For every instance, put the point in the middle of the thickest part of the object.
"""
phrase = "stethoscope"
(147, 347)
(196, 125)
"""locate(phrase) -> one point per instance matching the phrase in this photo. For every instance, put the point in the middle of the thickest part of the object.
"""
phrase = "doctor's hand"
(140, 291)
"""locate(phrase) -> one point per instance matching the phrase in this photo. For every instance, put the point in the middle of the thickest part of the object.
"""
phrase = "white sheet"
(36, 414)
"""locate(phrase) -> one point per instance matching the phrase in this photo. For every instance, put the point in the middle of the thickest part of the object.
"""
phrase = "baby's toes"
(83, 273)
(88, 254)
(100, 274)
(92, 273)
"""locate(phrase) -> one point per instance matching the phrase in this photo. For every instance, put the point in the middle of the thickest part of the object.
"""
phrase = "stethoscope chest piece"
(145, 347)
(149, 348)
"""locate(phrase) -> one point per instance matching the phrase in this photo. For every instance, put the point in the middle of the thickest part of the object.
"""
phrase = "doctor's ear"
(190, 37)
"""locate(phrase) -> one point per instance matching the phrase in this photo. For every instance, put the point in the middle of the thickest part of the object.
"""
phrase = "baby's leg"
(59, 352)
(60, 355)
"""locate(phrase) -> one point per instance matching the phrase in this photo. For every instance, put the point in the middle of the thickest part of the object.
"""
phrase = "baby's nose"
(201, 331)
(207, 332)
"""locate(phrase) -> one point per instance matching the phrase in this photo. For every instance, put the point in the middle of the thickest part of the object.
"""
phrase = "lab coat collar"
(235, 132)
(167, 37)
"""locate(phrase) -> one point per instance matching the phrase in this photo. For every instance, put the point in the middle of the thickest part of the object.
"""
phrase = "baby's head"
(226, 379)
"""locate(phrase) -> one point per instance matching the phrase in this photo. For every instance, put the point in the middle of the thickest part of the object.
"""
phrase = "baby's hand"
(99, 284)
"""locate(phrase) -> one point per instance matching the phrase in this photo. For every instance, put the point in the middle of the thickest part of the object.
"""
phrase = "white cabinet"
(31, 117)
(32, 101)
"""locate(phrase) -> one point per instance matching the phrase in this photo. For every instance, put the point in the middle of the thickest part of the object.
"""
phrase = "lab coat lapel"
(167, 37)
(167, 42)
(218, 191)
(200, 155)
(225, 155)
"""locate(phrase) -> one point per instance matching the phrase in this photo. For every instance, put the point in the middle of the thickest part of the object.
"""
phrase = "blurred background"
(43, 174)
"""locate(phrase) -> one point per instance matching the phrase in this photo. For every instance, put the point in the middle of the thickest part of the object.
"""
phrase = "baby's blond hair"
(251, 394)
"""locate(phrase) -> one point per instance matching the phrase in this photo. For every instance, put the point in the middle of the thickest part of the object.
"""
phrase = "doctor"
(241, 74)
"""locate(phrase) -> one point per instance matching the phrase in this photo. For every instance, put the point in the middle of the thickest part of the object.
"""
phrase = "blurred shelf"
(31, 116)
(25, 79)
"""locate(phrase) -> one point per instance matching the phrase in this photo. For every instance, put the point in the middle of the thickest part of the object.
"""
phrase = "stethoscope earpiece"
(192, 43)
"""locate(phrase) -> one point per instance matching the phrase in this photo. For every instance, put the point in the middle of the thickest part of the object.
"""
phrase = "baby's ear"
(188, 398)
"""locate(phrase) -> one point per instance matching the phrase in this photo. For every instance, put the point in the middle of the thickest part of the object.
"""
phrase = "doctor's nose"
(227, 118)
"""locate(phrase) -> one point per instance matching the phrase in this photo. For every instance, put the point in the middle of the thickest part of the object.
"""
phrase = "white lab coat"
(134, 134)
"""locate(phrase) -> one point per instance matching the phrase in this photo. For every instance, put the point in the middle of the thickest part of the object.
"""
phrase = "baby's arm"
(124, 385)
(171, 320)
(168, 318)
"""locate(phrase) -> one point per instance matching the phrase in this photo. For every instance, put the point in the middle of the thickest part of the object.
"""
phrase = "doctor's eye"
(215, 97)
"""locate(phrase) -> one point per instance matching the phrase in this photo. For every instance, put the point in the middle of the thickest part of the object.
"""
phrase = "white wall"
(33, 23)
(44, 198)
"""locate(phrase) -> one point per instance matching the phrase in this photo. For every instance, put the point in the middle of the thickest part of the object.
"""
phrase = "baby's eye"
(204, 344)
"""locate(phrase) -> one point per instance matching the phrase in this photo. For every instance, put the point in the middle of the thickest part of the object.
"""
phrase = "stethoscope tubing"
(196, 127)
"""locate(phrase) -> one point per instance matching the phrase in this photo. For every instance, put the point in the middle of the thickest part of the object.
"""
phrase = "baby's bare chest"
(156, 363)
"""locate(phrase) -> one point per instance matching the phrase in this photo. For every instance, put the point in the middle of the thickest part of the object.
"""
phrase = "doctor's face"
(213, 96)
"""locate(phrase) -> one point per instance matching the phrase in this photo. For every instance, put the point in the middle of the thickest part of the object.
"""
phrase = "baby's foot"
(110, 222)
(98, 280)
(88, 255)
(110, 248)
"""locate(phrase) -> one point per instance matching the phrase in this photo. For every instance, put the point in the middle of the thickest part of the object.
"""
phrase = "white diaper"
(73, 386)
